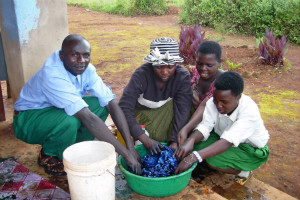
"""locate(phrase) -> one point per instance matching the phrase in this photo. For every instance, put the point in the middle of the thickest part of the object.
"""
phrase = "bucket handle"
(109, 172)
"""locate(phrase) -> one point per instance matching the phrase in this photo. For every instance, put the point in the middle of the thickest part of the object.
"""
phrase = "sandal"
(51, 164)
(243, 180)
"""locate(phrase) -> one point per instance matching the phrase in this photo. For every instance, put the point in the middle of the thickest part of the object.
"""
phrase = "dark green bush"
(150, 7)
(139, 7)
(249, 17)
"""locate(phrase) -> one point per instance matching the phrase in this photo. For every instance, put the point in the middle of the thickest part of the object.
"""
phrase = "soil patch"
(125, 41)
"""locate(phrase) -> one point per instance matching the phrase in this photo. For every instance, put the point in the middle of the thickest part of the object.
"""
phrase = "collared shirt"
(244, 125)
(53, 85)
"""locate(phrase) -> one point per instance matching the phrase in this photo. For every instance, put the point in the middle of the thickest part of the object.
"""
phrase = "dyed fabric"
(142, 92)
(194, 82)
(53, 128)
(18, 182)
(159, 122)
(159, 165)
(244, 157)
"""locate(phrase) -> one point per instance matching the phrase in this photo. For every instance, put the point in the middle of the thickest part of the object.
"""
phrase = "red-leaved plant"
(190, 39)
(272, 50)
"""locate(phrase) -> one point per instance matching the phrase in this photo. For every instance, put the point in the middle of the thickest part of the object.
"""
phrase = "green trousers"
(159, 122)
(53, 129)
(244, 157)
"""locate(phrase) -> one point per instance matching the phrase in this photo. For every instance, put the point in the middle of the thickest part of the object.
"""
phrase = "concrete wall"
(31, 30)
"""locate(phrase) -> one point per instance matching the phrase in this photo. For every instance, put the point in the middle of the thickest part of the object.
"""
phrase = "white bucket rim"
(96, 165)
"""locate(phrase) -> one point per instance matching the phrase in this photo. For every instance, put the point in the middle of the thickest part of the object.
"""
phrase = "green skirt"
(159, 122)
(53, 128)
(244, 157)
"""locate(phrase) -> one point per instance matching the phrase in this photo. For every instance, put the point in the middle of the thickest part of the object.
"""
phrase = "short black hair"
(71, 37)
(210, 47)
(230, 81)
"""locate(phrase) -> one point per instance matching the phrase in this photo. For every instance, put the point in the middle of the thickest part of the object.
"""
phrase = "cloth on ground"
(17, 182)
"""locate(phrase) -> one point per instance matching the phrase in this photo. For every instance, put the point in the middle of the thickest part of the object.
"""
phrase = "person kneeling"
(66, 102)
(231, 137)
(159, 96)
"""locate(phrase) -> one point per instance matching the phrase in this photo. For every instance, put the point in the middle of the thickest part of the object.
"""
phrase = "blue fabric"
(54, 86)
(159, 165)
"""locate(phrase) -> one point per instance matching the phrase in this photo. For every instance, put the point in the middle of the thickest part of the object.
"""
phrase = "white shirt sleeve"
(97, 88)
(209, 119)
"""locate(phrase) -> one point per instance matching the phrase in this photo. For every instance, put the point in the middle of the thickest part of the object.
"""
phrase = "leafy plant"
(233, 66)
(124, 7)
(190, 39)
(249, 17)
(146, 7)
(272, 49)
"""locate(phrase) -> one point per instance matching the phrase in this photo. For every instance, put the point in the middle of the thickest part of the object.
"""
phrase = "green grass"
(178, 3)
(111, 6)
(95, 5)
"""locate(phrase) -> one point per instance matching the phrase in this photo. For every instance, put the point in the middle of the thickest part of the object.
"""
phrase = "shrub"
(147, 7)
(190, 38)
(271, 50)
(249, 17)
(124, 7)
(121, 7)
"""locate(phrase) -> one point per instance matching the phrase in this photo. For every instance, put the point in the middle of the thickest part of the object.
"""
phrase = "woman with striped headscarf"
(159, 96)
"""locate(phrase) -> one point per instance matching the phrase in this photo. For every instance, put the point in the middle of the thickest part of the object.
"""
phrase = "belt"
(16, 112)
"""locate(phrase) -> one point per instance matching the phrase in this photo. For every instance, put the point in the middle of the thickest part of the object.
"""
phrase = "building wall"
(31, 30)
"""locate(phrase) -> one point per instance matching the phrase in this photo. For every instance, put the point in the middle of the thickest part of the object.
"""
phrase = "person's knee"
(71, 123)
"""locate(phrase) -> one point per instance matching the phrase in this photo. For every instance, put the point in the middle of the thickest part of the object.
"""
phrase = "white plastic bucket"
(90, 168)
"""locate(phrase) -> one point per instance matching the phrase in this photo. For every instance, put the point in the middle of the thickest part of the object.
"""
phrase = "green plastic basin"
(155, 187)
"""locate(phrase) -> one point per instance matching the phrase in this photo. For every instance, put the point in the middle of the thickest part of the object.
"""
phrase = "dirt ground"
(120, 43)
(276, 90)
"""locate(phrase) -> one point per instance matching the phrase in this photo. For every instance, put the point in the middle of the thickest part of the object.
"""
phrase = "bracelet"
(198, 156)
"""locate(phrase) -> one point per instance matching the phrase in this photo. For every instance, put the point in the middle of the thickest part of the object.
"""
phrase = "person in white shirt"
(232, 137)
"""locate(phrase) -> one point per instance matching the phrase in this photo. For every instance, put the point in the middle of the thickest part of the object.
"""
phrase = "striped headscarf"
(164, 51)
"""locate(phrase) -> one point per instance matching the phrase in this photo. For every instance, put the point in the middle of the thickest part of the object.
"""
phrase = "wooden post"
(2, 111)
(8, 89)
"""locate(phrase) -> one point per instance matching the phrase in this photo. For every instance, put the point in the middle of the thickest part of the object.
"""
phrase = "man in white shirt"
(231, 137)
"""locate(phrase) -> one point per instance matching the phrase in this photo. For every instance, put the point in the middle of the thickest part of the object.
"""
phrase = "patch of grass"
(94, 5)
(126, 7)
(286, 64)
(110, 6)
(279, 104)
(115, 47)
(178, 3)
(216, 37)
